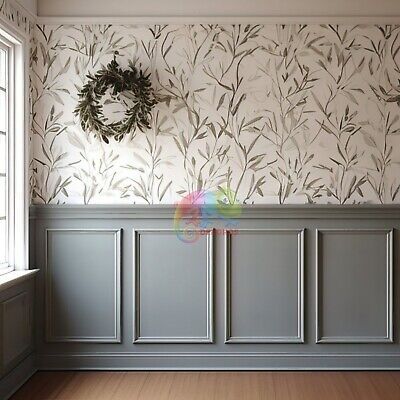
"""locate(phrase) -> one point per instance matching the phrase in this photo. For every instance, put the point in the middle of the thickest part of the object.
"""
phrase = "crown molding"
(189, 19)
(17, 18)
(29, 14)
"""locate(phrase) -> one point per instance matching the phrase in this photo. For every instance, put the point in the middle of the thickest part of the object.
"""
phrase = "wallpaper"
(16, 16)
(267, 114)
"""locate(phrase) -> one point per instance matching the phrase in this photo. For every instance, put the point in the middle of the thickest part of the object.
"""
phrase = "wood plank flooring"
(211, 386)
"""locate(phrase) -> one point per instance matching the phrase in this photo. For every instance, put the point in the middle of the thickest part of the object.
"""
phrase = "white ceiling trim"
(28, 13)
(265, 20)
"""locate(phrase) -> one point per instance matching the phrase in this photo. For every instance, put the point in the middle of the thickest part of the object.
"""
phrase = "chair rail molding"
(273, 211)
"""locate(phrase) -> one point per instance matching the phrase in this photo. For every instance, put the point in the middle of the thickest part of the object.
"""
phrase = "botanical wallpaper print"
(16, 16)
(271, 114)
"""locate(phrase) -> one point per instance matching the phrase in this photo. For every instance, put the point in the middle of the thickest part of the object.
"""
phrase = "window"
(4, 217)
(13, 131)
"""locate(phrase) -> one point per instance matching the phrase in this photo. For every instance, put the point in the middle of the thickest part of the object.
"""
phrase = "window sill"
(13, 278)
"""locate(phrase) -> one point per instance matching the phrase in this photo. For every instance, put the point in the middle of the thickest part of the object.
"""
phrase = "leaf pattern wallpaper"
(274, 113)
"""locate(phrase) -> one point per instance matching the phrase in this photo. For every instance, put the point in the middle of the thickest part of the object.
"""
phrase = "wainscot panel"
(82, 282)
(349, 259)
(264, 286)
(16, 322)
(17, 358)
(288, 287)
(173, 287)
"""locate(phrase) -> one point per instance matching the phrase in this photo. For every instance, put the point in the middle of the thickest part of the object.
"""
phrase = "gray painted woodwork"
(17, 328)
(11, 382)
(354, 285)
(83, 285)
(173, 288)
(264, 286)
(254, 211)
(320, 295)
(17, 362)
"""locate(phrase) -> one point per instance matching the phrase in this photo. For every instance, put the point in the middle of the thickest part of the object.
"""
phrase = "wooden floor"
(211, 385)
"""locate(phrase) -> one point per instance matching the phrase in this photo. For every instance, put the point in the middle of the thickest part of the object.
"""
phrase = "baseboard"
(218, 361)
(11, 382)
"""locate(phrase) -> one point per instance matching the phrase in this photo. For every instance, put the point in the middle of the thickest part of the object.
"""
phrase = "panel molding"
(24, 297)
(137, 337)
(389, 290)
(49, 323)
(300, 290)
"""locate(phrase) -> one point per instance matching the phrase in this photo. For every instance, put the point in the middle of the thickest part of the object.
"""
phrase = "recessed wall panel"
(16, 329)
(83, 285)
(173, 288)
(264, 286)
(354, 286)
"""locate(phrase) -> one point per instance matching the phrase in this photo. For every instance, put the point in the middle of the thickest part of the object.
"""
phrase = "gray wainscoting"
(82, 280)
(291, 287)
(16, 337)
(354, 285)
(17, 362)
(17, 328)
(173, 287)
(264, 286)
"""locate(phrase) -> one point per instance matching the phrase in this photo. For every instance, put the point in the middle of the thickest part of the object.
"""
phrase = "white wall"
(163, 8)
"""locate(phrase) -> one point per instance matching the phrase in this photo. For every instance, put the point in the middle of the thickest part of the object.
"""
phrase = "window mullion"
(10, 158)
(4, 118)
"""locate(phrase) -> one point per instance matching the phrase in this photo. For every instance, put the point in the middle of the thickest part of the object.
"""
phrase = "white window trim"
(18, 131)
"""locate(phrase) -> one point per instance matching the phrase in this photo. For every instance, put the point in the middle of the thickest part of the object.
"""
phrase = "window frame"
(17, 139)
(6, 47)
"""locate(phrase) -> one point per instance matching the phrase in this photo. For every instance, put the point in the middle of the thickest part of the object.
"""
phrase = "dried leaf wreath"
(133, 81)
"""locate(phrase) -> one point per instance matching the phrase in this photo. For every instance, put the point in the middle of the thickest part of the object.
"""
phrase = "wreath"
(132, 81)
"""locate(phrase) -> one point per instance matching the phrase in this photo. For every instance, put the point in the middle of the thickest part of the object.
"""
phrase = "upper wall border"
(307, 211)
(189, 19)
